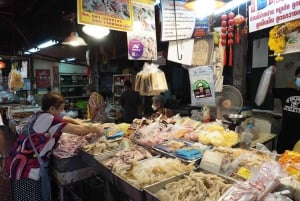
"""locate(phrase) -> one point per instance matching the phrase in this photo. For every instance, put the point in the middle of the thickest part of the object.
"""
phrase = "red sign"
(43, 78)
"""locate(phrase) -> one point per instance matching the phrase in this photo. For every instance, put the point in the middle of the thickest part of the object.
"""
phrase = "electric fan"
(229, 103)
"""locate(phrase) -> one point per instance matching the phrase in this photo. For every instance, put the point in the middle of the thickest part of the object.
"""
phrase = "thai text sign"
(267, 13)
(115, 15)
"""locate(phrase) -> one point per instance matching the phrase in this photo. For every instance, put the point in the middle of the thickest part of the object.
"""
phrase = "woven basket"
(5, 191)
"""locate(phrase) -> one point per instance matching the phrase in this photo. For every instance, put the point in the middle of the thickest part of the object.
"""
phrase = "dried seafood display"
(197, 186)
(125, 157)
(240, 159)
(100, 146)
(152, 170)
(68, 144)
(216, 135)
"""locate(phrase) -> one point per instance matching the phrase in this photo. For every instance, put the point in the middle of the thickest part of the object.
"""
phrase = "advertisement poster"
(202, 86)
(268, 13)
(142, 41)
(187, 26)
(43, 78)
(115, 15)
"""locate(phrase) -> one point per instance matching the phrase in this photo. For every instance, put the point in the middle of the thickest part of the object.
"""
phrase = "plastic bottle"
(246, 138)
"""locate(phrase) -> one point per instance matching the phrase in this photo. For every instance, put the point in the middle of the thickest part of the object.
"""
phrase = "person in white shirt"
(30, 98)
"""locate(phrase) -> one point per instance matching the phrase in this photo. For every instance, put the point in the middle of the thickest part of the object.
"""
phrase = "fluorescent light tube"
(47, 44)
(33, 50)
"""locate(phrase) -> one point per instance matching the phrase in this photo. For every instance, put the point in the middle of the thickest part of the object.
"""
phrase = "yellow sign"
(115, 15)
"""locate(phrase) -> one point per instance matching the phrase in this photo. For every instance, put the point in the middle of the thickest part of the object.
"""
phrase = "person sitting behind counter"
(158, 105)
(30, 97)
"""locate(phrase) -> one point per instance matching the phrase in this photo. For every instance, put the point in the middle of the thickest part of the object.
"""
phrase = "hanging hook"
(178, 57)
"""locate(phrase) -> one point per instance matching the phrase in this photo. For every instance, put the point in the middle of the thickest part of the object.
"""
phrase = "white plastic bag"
(263, 86)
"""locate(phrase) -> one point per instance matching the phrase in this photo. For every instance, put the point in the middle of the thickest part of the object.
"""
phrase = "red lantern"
(238, 20)
(224, 17)
(231, 22)
(231, 15)
(2, 65)
(224, 36)
(224, 30)
(230, 29)
(224, 23)
(230, 36)
(223, 42)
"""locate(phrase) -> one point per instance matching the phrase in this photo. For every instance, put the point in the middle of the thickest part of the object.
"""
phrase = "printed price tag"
(244, 173)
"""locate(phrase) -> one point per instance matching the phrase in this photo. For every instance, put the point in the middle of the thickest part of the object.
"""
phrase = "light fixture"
(47, 44)
(74, 40)
(196, 4)
(33, 50)
(96, 32)
(203, 8)
(2, 64)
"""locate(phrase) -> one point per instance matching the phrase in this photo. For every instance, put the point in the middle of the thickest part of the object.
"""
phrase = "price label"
(244, 173)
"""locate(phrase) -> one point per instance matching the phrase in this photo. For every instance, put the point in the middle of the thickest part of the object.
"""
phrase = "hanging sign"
(202, 86)
(186, 26)
(115, 15)
(268, 13)
(142, 40)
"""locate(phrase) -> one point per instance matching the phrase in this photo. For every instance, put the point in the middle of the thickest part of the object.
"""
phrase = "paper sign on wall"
(196, 52)
(115, 15)
(142, 41)
(260, 53)
(202, 86)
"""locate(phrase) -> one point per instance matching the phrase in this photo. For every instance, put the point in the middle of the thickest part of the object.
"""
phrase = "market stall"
(150, 170)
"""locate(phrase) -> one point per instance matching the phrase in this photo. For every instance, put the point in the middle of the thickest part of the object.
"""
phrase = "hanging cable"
(178, 57)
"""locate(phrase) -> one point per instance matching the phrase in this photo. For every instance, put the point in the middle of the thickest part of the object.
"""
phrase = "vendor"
(28, 160)
(96, 105)
(160, 111)
(131, 102)
(30, 97)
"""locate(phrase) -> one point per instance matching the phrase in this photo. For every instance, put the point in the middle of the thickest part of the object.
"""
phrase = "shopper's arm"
(83, 129)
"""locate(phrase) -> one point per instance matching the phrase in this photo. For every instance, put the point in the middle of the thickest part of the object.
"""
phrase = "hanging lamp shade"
(74, 40)
(195, 4)
(96, 32)
(2, 65)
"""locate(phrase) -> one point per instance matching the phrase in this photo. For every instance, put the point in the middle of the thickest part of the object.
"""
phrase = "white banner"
(268, 13)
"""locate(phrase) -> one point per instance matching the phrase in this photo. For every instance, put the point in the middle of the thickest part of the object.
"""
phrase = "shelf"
(118, 85)
(73, 86)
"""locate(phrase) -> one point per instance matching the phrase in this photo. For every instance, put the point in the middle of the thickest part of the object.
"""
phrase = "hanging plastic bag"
(263, 86)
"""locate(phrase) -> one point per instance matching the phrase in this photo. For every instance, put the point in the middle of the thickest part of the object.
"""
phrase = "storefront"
(214, 135)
